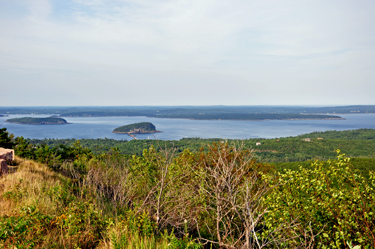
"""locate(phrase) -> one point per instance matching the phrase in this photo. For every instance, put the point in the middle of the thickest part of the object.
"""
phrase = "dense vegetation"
(360, 134)
(144, 127)
(216, 197)
(355, 143)
(38, 121)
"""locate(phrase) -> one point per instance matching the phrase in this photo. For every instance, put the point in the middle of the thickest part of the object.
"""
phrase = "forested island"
(137, 128)
(38, 121)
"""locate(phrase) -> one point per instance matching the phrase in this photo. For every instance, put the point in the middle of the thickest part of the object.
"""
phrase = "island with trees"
(38, 121)
(137, 128)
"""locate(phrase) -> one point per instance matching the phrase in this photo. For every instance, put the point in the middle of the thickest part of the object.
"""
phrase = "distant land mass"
(216, 112)
(38, 121)
(137, 128)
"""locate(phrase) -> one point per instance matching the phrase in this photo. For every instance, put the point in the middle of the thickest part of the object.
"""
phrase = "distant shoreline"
(33, 123)
(148, 132)
(268, 119)
(252, 119)
(37, 121)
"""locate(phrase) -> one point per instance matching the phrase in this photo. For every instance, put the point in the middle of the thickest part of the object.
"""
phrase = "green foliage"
(122, 237)
(37, 121)
(334, 198)
(26, 230)
(360, 134)
(54, 156)
(141, 223)
(23, 148)
(290, 149)
(363, 165)
(144, 127)
(74, 223)
(6, 139)
(16, 193)
(79, 217)
(184, 243)
(218, 194)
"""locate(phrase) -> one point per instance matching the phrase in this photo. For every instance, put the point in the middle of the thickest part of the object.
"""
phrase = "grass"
(40, 208)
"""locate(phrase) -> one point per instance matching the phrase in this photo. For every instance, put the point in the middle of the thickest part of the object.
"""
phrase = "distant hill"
(359, 134)
(199, 112)
(38, 121)
(144, 127)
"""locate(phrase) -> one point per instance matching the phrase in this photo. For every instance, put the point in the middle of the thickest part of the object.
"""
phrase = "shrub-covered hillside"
(217, 197)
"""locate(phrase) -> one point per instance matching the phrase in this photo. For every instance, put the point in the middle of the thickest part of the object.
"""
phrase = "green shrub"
(333, 205)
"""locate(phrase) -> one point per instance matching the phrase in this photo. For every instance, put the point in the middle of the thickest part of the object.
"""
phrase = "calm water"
(175, 129)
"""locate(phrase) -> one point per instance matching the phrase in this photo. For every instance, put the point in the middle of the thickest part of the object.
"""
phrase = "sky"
(187, 52)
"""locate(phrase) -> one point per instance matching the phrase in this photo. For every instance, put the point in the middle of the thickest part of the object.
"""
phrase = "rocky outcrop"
(6, 155)
(3, 167)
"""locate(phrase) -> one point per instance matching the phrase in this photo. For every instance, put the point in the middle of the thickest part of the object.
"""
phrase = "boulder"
(3, 167)
(7, 154)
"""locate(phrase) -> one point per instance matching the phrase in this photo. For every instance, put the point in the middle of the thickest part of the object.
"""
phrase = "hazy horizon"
(120, 106)
(187, 53)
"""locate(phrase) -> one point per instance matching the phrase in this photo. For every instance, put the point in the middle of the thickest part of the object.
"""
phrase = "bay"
(176, 129)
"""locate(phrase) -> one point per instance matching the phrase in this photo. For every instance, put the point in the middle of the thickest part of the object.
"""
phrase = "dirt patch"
(273, 151)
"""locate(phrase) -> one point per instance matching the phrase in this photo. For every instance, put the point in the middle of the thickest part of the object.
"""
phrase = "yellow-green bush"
(333, 204)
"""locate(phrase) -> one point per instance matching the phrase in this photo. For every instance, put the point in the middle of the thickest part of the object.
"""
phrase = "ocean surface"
(176, 129)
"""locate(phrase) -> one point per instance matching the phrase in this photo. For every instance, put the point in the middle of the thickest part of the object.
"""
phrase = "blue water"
(175, 129)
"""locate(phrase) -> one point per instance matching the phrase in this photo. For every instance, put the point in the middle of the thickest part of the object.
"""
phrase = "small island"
(137, 128)
(38, 121)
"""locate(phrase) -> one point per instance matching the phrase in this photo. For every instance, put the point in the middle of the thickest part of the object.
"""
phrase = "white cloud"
(39, 9)
(225, 48)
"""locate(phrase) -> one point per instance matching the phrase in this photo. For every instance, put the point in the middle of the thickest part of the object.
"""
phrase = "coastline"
(175, 129)
(34, 124)
(340, 118)
(149, 132)
(254, 119)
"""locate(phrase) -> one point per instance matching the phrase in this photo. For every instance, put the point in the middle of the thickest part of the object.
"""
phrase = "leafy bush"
(47, 211)
(333, 204)
(6, 139)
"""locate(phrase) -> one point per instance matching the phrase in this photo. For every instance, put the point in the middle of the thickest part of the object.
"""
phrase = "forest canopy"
(143, 127)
